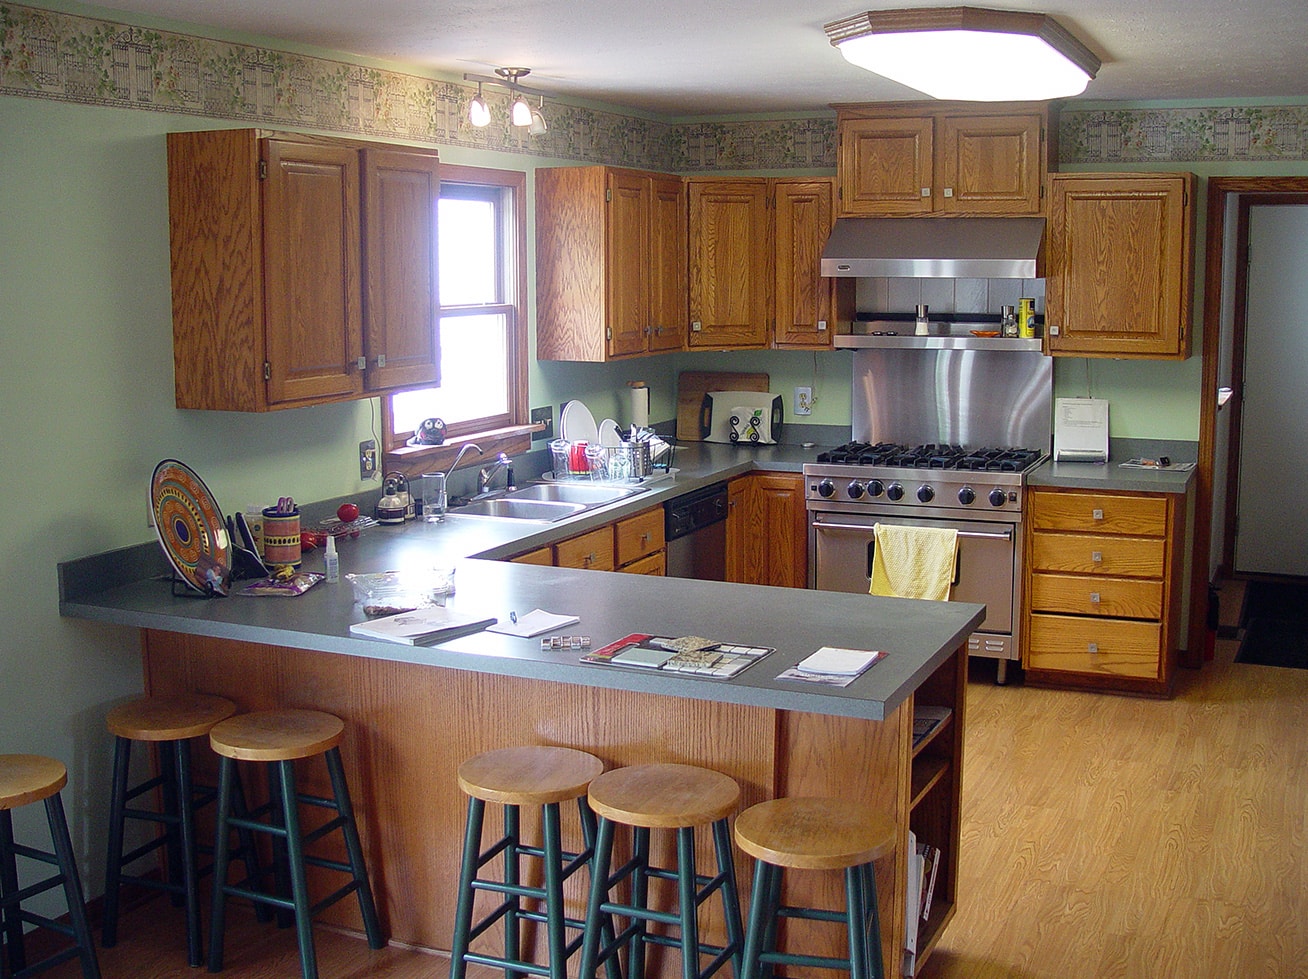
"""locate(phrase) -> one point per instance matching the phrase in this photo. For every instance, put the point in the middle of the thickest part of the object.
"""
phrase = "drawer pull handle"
(1092, 647)
(1094, 597)
(1097, 557)
(1097, 514)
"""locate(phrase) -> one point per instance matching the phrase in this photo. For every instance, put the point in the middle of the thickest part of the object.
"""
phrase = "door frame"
(1247, 191)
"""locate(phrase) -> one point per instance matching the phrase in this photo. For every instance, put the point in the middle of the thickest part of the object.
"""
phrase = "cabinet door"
(312, 275)
(742, 565)
(667, 264)
(628, 263)
(730, 264)
(802, 306)
(782, 525)
(989, 164)
(1119, 267)
(886, 166)
(402, 310)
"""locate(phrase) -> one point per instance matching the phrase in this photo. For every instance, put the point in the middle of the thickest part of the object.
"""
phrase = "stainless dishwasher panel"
(695, 528)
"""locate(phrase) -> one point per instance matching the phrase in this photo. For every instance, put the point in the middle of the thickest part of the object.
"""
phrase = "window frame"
(504, 433)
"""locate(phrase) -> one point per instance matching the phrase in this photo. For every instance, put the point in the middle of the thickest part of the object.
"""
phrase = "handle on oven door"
(958, 557)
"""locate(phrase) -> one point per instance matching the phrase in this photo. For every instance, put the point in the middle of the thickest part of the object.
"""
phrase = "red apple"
(347, 512)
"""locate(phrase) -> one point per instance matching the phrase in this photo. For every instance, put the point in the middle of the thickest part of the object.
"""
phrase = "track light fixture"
(521, 113)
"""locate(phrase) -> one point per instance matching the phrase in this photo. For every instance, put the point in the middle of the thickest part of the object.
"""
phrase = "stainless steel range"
(907, 466)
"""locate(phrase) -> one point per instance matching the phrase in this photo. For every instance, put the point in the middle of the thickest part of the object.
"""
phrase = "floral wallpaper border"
(71, 58)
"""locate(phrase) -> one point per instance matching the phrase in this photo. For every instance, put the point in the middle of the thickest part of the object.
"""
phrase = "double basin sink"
(546, 502)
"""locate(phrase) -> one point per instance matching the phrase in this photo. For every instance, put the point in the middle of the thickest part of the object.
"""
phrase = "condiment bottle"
(923, 321)
(1026, 319)
(1008, 321)
(331, 561)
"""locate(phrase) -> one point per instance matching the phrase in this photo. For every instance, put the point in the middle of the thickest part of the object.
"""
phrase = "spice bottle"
(923, 325)
(1007, 321)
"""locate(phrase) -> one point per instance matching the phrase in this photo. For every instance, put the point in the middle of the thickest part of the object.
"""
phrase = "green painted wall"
(87, 403)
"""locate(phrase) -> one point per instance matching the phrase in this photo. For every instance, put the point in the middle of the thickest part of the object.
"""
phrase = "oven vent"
(950, 248)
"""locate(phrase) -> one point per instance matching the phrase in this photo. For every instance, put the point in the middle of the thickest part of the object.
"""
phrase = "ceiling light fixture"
(478, 110)
(520, 113)
(968, 53)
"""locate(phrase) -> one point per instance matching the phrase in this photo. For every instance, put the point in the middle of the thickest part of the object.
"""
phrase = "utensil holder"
(281, 537)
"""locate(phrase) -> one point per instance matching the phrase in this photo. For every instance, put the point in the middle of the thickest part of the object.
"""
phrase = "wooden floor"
(1104, 837)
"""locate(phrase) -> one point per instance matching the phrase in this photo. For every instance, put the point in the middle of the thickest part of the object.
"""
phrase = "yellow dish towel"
(913, 562)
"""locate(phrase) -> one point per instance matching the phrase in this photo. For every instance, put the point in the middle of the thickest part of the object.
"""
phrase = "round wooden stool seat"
(276, 735)
(168, 718)
(814, 834)
(664, 796)
(29, 778)
(529, 775)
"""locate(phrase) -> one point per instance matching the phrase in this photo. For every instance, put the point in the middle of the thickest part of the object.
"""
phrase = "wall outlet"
(803, 401)
(543, 415)
(367, 459)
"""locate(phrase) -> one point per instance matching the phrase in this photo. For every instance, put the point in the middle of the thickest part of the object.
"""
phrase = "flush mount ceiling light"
(968, 53)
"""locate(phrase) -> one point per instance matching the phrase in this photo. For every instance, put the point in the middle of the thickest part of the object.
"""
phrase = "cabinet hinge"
(608, 195)
(263, 169)
(267, 371)
(608, 333)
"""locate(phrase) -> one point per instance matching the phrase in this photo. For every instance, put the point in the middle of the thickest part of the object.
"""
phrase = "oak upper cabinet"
(805, 305)
(755, 250)
(610, 263)
(1119, 265)
(303, 269)
(767, 542)
(917, 159)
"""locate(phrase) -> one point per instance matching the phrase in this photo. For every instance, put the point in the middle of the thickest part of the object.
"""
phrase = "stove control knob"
(925, 494)
(895, 491)
(875, 487)
(854, 489)
(826, 489)
(998, 497)
(966, 495)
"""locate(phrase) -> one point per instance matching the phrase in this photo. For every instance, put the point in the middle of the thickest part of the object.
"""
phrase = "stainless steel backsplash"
(972, 398)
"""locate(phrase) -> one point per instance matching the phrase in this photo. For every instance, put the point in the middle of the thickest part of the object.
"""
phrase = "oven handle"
(1006, 535)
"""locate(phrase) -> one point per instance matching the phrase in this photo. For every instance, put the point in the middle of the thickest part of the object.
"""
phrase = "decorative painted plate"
(191, 528)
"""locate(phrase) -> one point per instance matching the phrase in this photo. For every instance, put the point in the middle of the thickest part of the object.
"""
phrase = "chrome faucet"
(464, 450)
(487, 473)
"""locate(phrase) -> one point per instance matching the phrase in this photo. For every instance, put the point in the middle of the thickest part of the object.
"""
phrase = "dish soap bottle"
(331, 561)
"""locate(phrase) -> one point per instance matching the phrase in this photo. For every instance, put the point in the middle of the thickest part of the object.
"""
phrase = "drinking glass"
(434, 499)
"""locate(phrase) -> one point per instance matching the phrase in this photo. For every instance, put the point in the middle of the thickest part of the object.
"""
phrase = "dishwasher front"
(695, 528)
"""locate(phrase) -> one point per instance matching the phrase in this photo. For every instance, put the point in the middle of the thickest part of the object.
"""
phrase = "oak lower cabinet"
(755, 252)
(916, 159)
(1103, 590)
(610, 263)
(634, 545)
(303, 269)
(1120, 265)
(767, 530)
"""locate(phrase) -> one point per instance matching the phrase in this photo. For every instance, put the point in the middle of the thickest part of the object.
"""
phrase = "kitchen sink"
(545, 501)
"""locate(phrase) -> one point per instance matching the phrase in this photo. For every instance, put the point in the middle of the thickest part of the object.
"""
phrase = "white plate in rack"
(609, 434)
(577, 424)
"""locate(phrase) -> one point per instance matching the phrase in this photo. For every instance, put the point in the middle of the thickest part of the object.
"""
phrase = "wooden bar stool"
(541, 776)
(170, 723)
(35, 778)
(665, 797)
(814, 834)
(278, 738)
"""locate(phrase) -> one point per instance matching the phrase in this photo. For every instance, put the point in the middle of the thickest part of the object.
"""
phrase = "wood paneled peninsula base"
(413, 714)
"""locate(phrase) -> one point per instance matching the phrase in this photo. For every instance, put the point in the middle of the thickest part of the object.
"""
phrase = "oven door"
(841, 546)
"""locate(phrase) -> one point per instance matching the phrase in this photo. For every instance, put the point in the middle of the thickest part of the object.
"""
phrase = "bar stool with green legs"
(25, 779)
(814, 834)
(662, 797)
(538, 776)
(279, 738)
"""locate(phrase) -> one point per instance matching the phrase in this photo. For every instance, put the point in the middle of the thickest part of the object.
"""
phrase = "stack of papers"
(423, 626)
(833, 666)
(534, 623)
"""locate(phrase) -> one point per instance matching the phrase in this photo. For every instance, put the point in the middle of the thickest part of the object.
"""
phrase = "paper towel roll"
(639, 404)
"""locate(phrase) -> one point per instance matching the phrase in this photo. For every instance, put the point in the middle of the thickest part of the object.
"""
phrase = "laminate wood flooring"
(1104, 837)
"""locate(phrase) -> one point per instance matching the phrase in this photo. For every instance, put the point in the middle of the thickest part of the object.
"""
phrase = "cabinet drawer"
(542, 555)
(1094, 646)
(1131, 557)
(1126, 598)
(1099, 513)
(593, 551)
(637, 536)
(655, 564)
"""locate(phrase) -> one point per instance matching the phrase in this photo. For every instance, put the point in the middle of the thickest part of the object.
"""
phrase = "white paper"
(534, 623)
(838, 662)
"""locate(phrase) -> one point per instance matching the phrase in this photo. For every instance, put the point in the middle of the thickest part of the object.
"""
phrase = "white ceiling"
(689, 57)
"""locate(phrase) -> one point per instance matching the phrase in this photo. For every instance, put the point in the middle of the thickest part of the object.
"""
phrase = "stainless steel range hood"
(950, 248)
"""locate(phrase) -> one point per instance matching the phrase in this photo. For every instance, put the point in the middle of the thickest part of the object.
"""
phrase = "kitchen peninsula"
(414, 713)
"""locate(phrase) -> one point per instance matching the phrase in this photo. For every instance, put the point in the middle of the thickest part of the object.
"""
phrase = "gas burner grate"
(932, 456)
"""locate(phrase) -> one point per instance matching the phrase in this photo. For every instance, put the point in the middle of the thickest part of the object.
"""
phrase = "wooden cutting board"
(693, 385)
